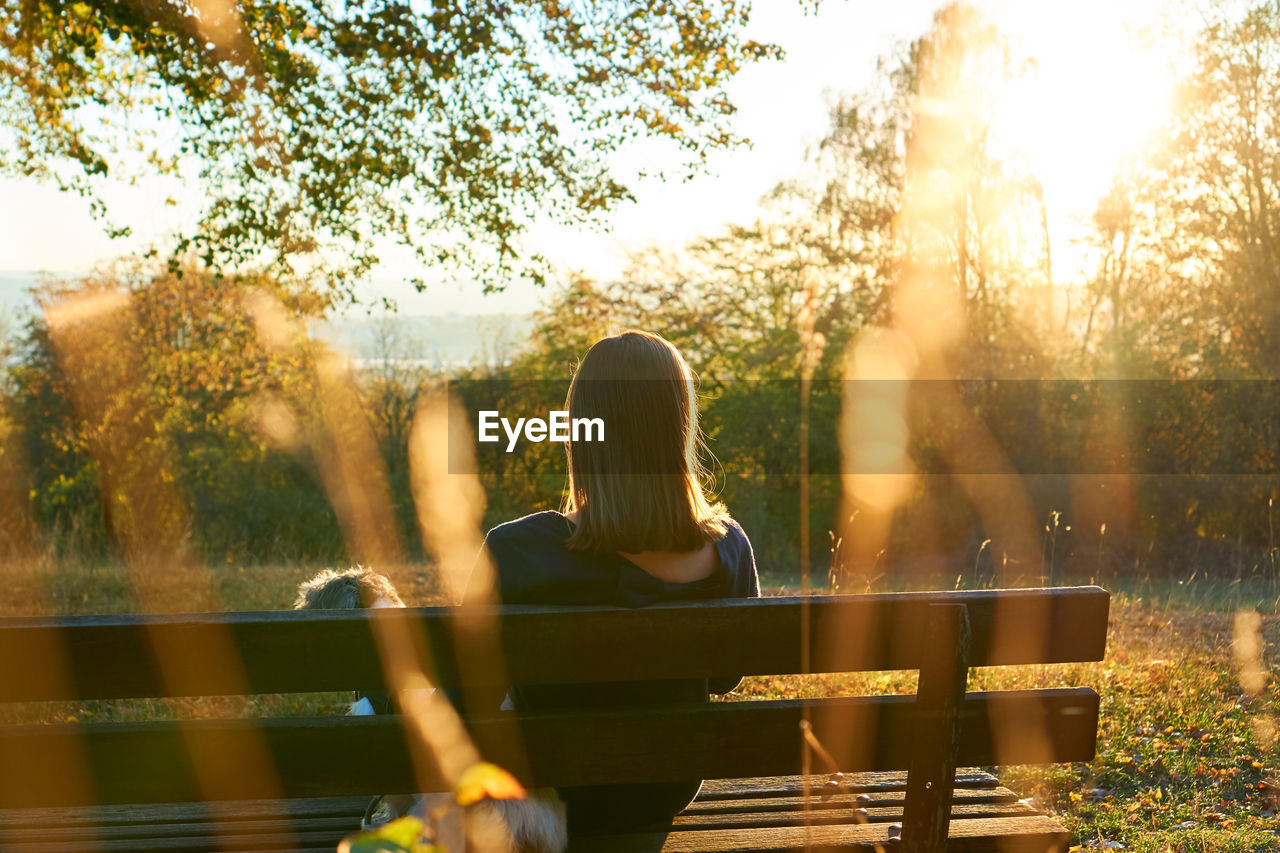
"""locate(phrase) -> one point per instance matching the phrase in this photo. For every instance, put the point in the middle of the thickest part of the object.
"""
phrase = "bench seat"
(71, 786)
(765, 813)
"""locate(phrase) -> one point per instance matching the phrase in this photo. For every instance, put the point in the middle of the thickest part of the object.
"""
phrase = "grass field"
(1187, 757)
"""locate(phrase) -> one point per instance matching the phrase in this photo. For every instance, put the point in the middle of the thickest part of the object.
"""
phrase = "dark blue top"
(533, 565)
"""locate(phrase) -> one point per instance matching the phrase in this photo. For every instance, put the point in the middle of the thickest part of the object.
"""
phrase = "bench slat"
(818, 799)
(869, 782)
(797, 816)
(295, 809)
(332, 755)
(111, 657)
(340, 824)
(1017, 834)
(204, 843)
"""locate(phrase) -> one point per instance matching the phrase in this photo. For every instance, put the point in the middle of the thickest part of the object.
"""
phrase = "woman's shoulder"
(734, 534)
(536, 527)
(533, 564)
(737, 558)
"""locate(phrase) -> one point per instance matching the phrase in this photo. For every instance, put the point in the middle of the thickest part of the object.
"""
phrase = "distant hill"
(434, 341)
(449, 340)
(14, 289)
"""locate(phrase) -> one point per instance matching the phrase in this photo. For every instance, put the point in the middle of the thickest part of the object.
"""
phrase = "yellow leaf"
(485, 781)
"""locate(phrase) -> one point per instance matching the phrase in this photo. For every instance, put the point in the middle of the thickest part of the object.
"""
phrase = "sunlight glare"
(1099, 87)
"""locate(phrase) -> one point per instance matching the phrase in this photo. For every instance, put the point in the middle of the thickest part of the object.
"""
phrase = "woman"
(636, 529)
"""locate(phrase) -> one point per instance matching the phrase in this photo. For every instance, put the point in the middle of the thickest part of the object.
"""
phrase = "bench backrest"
(113, 657)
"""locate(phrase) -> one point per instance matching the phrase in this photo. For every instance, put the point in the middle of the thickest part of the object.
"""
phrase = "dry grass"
(41, 589)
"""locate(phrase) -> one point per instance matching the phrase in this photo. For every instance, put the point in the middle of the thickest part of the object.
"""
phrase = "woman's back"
(532, 565)
(678, 567)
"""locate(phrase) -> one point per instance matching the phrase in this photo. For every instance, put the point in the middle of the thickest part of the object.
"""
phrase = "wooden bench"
(302, 783)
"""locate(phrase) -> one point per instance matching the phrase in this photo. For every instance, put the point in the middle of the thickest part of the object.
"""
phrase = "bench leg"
(927, 811)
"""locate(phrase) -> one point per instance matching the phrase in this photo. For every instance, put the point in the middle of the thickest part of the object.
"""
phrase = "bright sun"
(1100, 87)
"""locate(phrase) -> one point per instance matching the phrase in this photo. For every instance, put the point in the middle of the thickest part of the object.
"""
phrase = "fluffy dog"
(533, 825)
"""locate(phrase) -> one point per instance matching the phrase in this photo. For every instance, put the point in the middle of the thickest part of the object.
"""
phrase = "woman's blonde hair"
(640, 489)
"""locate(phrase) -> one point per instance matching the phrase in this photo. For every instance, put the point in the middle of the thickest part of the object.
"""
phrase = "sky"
(1101, 85)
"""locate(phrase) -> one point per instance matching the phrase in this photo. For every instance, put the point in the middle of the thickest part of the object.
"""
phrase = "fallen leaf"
(486, 781)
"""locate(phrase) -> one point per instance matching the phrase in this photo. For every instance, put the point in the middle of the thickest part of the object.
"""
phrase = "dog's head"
(347, 590)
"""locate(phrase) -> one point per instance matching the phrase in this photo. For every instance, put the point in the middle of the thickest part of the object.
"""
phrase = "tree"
(1225, 167)
(315, 127)
(1187, 286)
(1190, 272)
(143, 379)
(1139, 293)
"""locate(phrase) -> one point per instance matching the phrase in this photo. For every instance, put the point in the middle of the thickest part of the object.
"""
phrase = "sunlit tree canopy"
(313, 127)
